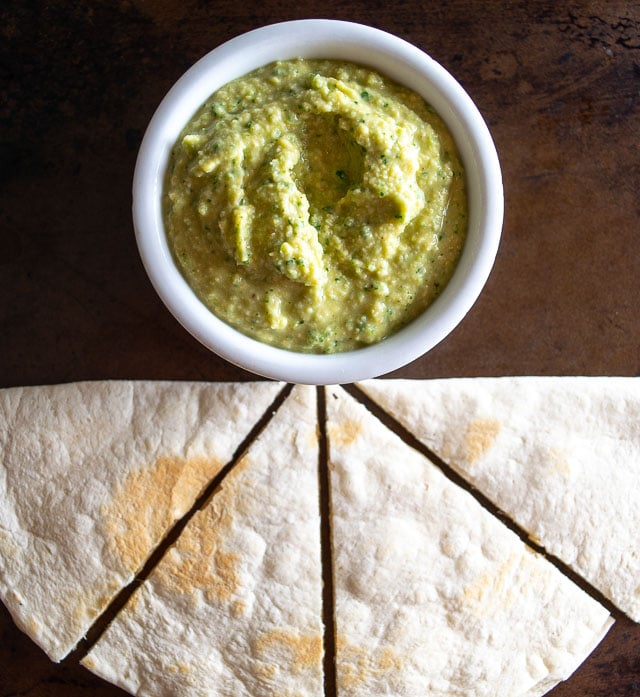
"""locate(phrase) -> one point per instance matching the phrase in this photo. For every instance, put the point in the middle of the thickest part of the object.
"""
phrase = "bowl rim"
(399, 60)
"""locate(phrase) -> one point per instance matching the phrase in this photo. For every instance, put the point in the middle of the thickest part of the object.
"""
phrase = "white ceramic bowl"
(402, 62)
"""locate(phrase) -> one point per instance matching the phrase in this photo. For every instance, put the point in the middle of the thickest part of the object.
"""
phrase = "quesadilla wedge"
(433, 594)
(92, 476)
(234, 607)
(559, 455)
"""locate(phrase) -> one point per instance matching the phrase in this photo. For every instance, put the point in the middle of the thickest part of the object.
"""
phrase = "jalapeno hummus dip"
(315, 205)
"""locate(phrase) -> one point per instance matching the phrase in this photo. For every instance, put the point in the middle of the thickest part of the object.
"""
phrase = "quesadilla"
(559, 455)
(234, 608)
(433, 594)
(92, 476)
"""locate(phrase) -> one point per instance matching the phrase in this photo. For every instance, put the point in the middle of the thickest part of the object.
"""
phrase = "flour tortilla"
(560, 455)
(235, 606)
(434, 596)
(92, 476)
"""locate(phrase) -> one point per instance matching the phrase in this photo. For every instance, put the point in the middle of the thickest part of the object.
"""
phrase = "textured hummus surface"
(316, 205)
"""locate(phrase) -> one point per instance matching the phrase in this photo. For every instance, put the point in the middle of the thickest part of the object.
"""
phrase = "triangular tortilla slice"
(560, 455)
(235, 606)
(433, 594)
(92, 476)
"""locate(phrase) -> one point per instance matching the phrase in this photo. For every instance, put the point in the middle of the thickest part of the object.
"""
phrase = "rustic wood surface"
(559, 85)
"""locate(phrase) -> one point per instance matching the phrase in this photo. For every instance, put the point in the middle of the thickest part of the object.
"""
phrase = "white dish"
(402, 62)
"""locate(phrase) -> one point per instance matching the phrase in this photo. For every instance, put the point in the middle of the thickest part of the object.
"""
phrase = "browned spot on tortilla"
(558, 463)
(300, 652)
(86, 606)
(179, 668)
(134, 602)
(497, 589)
(480, 437)
(388, 660)
(149, 501)
(198, 560)
(239, 608)
(267, 672)
(357, 666)
(493, 590)
(33, 625)
(345, 433)
(102, 602)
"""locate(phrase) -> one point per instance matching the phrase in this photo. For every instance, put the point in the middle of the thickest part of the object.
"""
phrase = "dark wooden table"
(559, 85)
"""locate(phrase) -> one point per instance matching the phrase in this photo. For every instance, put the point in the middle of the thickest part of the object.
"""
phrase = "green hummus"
(315, 205)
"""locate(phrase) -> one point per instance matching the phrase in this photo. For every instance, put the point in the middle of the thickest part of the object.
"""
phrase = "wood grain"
(559, 85)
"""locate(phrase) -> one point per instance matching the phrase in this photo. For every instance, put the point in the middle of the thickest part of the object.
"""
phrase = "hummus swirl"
(315, 205)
